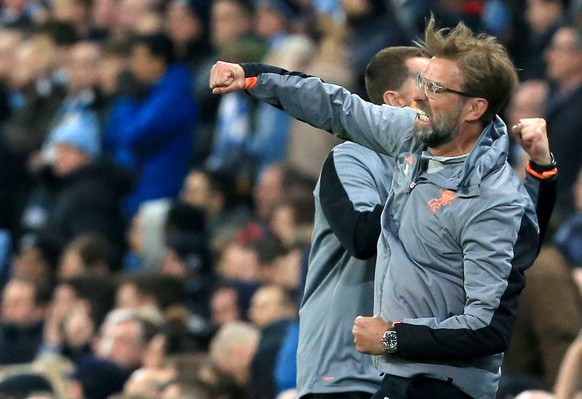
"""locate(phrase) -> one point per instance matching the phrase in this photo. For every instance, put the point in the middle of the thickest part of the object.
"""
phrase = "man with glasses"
(458, 228)
(349, 198)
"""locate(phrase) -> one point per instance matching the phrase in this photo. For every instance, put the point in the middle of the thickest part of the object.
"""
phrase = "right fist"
(226, 78)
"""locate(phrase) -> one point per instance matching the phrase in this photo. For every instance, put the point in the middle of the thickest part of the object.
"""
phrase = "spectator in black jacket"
(21, 324)
(79, 193)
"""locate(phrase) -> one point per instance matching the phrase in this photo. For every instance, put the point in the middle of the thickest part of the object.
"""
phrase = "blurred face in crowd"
(122, 343)
(30, 262)
(238, 262)
(146, 67)
(73, 314)
(79, 328)
(355, 8)
(182, 24)
(27, 67)
(71, 264)
(269, 191)
(83, 66)
(73, 11)
(541, 14)
(47, 52)
(14, 4)
(9, 42)
(283, 222)
(110, 66)
(527, 102)
(172, 265)
(104, 13)
(287, 269)
(564, 58)
(64, 299)
(224, 306)
(228, 22)
(149, 23)
(267, 306)
(268, 22)
(129, 13)
(19, 305)
(232, 349)
(127, 296)
(196, 190)
(68, 159)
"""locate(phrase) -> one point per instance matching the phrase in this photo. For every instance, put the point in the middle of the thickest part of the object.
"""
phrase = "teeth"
(422, 115)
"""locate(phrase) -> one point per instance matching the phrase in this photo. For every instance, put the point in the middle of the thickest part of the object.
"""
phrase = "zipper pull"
(412, 185)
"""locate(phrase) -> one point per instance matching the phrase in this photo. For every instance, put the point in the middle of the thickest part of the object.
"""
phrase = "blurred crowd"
(154, 238)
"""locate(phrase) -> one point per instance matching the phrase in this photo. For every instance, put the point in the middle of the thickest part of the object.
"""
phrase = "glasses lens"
(434, 88)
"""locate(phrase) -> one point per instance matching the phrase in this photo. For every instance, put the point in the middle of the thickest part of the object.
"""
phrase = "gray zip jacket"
(454, 243)
(349, 198)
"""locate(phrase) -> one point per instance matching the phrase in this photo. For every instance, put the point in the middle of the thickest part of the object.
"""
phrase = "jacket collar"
(489, 153)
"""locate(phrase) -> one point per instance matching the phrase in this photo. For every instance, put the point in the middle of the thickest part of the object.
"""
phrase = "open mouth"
(422, 116)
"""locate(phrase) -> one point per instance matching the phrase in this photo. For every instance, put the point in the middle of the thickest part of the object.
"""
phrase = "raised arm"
(325, 106)
(541, 170)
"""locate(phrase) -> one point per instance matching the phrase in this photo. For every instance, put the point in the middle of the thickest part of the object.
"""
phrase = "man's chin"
(432, 139)
(422, 133)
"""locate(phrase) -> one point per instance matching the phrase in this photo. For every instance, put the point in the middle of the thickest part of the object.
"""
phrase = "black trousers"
(421, 387)
(338, 395)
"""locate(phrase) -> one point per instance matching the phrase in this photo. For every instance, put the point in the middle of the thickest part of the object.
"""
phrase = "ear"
(391, 97)
(477, 107)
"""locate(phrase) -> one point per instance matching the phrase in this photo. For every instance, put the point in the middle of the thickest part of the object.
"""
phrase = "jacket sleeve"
(352, 196)
(381, 128)
(499, 244)
(541, 188)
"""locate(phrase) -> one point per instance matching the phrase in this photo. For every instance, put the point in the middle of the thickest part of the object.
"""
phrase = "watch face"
(389, 341)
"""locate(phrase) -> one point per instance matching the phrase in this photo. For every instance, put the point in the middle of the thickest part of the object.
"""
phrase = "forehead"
(443, 71)
(417, 63)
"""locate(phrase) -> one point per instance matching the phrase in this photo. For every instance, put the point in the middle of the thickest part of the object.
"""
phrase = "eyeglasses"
(431, 88)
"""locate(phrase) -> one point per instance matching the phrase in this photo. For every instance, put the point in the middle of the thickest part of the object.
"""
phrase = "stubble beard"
(440, 131)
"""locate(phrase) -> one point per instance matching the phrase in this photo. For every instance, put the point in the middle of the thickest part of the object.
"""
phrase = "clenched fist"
(226, 78)
(368, 332)
(531, 135)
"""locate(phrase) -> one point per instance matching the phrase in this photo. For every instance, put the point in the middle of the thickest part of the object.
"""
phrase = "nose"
(419, 94)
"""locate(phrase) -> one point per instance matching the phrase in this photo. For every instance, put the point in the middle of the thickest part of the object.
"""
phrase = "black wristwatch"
(389, 341)
(543, 168)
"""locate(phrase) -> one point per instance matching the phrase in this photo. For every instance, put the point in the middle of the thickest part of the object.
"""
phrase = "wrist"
(541, 171)
(543, 165)
(389, 341)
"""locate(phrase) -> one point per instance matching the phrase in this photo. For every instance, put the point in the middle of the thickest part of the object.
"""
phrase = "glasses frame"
(435, 88)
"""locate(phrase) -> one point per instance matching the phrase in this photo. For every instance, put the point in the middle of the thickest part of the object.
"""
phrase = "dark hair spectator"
(88, 253)
(158, 44)
(154, 289)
